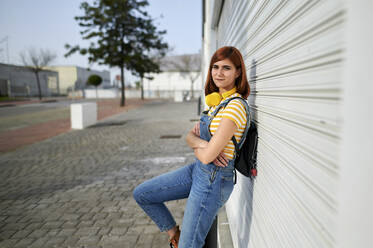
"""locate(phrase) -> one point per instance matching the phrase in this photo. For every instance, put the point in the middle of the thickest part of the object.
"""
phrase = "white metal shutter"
(294, 52)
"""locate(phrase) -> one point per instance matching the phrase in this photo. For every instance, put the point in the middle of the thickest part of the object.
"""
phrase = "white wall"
(356, 184)
(165, 84)
(101, 93)
(111, 93)
(171, 81)
(295, 54)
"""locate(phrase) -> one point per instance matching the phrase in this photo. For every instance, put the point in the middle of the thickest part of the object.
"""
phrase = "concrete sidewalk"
(75, 189)
(30, 127)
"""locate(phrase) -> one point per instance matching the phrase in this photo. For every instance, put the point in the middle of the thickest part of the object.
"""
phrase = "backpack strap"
(248, 120)
(248, 123)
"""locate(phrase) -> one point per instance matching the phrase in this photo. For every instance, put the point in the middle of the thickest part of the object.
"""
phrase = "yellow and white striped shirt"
(235, 111)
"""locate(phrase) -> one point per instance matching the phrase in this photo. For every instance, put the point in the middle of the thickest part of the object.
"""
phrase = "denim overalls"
(206, 186)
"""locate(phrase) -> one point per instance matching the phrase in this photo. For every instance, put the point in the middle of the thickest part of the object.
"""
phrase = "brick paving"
(13, 139)
(75, 189)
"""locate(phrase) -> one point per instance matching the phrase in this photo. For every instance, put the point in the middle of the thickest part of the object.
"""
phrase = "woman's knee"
(138, 194)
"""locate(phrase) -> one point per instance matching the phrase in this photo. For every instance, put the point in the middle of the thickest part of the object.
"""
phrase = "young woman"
(208, 182)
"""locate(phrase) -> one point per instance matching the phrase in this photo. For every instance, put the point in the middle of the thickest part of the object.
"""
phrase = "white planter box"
(83, 115)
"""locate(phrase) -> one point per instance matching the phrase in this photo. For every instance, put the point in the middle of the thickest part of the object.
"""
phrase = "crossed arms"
(212, 151)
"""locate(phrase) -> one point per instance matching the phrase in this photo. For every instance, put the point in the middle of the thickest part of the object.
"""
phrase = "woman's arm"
(217, 143)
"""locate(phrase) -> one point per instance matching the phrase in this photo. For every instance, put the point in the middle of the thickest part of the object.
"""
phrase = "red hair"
(231, 53)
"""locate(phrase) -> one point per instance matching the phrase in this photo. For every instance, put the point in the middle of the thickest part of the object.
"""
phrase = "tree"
(94, 80)
(189, 66)
(142, 66)
(36, 61)
(124, 36)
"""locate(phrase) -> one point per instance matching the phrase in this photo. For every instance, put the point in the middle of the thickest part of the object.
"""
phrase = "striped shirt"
(235, 111)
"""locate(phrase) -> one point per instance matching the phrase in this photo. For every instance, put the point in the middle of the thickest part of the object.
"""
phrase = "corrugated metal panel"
(294, 51)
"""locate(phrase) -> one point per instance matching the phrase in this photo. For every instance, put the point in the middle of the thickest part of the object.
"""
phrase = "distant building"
(21, 81)
(73, 78)
(174, 79)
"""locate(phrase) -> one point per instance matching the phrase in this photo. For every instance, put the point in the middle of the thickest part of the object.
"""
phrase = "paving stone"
(118, 231)
(145, 240)
(69, 224)
(24, 243)
(7, 234)
(120, 223)
(21, 234)
(87, 223)
(104, 231)
(143, 220)
(53, 232)
(151, 229)
(8, 243)
(124, 241)
(87, 231)
(34, 225)
(55, 242)
(38, 233)
(38, 243)
(67, 232)
(70, 217)
(75, 189)
(102, 222)
(3, 218)
(52, 224)
(136, 229)
(54, 217)
(71, 241)
(160, 240)
(13, 219)
(88, 216)
(88, 240)
(24, 220)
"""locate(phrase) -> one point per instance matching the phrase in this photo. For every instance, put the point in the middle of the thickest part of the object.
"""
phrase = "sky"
(50, 24)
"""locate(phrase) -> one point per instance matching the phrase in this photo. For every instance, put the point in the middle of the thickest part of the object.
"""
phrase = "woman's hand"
(195, 129)
(221, 160)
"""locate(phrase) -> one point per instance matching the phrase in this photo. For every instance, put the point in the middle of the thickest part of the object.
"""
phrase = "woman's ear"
(238, 72)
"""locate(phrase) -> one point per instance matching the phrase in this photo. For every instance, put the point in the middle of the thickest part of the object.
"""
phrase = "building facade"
(21, 81)
(311, 90)
(74, 78)
(178, 78)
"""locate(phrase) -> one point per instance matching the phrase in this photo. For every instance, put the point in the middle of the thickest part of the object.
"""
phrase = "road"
(15, 117)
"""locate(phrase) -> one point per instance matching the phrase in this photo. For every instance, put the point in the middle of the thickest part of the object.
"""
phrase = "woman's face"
(224, 74)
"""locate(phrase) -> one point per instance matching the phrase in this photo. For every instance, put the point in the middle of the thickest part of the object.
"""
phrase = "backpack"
(246, 150)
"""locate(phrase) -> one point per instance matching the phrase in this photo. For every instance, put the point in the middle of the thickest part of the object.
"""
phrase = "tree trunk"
(191, 90)
(142, 88)
(123, 100)
(96, 94)
(38, 82)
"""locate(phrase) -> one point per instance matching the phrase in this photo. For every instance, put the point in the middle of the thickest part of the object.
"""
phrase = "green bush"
(94, 80)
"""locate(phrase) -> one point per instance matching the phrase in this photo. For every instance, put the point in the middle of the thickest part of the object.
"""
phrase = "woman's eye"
(226, 68)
